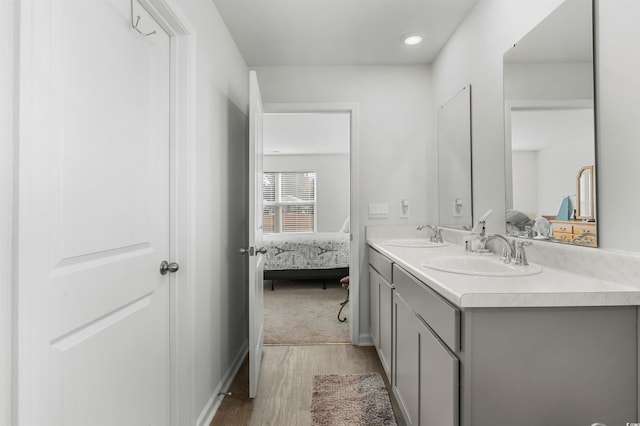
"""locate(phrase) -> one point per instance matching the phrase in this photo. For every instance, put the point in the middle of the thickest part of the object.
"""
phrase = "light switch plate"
(378, 210)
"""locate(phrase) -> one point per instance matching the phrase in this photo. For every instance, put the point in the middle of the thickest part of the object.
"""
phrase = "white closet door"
(94, 216)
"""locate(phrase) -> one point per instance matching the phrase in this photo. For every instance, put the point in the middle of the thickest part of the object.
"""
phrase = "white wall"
(8, 62)
(559, 81)
(395, 128)
(221, 133)
(474, 55)
(618, 146)
(525, 175)
(557, 173)
(332, 184)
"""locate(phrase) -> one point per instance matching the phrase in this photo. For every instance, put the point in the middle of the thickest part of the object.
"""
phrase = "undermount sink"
(489, 266)
(413, 242)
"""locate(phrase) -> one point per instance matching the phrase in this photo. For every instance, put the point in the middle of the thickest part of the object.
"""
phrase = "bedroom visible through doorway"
(306, 196)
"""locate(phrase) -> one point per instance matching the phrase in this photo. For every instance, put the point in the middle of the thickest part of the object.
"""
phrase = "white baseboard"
(212, 405)
(365, 339)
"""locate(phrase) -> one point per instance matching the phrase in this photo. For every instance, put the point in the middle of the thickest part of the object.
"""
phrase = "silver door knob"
(243, 251)
(168, 267)
(262, 250)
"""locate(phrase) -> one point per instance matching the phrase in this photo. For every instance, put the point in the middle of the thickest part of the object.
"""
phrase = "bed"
(299, 256)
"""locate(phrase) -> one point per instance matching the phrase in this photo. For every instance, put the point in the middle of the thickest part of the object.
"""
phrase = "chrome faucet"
(436, 236)
(521, 255)
(507, 254)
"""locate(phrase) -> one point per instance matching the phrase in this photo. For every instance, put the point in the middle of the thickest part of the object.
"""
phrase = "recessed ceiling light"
(412, 39)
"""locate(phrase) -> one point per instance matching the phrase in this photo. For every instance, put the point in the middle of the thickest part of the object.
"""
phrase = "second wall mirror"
(549, 129)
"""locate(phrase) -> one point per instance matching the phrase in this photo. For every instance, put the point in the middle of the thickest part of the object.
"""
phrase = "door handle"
(168, 267)
(248, 251)
(262, 250)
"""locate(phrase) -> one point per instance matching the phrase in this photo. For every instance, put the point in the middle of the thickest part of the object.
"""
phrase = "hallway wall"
(220, 168)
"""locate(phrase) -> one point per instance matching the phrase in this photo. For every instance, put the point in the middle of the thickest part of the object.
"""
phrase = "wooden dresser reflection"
(567, 230)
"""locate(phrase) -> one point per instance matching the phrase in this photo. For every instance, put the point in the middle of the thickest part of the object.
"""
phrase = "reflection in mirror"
(585, 192)
(549, 127)
(454, 161)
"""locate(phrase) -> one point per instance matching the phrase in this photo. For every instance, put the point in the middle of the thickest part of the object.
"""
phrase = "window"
(289, 202)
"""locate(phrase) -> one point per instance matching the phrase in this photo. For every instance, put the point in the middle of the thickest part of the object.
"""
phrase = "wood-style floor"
(285, 385)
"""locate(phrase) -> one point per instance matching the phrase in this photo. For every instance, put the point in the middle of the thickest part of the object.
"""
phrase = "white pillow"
(345, 226)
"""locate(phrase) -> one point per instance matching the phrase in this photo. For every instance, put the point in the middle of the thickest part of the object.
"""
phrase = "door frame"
(8, 231)
(33, 26)
(354, 206)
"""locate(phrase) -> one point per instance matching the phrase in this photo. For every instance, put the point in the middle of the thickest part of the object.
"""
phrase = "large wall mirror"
(454, 161)
(549, 129)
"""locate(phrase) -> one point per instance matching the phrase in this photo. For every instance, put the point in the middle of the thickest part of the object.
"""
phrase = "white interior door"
(94, 217)
(255, 250)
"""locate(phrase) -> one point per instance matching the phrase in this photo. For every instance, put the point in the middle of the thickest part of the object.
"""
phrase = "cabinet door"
(374, 306)
(386, 319)
(405, 359)
(439, 391)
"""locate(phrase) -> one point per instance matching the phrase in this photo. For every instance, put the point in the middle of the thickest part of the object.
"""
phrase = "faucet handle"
(521, 255)
(506, 255)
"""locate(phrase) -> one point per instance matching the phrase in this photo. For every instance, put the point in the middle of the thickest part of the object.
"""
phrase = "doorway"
(310, 165)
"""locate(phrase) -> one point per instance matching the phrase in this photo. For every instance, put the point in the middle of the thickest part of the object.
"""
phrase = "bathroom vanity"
(553, 348)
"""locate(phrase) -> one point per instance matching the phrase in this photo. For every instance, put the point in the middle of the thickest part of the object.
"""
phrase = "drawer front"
(563, 236)
(587, 227)
(439, 314)
(381, 264)
(563, 227)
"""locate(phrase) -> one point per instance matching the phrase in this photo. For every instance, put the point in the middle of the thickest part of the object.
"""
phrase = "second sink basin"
(413, 242)
(489, 266)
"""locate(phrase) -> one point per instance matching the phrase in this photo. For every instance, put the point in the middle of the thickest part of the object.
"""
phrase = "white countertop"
(551, 287)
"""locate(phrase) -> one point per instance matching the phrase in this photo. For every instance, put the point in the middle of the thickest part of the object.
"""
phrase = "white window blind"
(289, 202)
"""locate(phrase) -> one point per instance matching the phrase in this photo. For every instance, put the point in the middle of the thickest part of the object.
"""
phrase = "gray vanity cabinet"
(549, 365)
(507, 365)
(380, 305)
(426, 370)
(439, 381)
(406, 360)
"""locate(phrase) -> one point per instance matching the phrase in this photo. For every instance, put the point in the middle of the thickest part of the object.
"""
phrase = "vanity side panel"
(533, 366)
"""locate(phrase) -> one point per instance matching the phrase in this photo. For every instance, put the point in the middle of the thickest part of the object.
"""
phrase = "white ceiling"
(306, 133)
(340, 32)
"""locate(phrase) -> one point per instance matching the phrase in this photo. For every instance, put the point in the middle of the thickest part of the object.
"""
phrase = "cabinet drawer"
(380, 264)
(563, 227)
(563, 236)
(439, 314)
(587, 227)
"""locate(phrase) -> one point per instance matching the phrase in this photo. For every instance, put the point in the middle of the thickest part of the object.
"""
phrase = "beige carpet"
(356, 399)
(301, 313)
